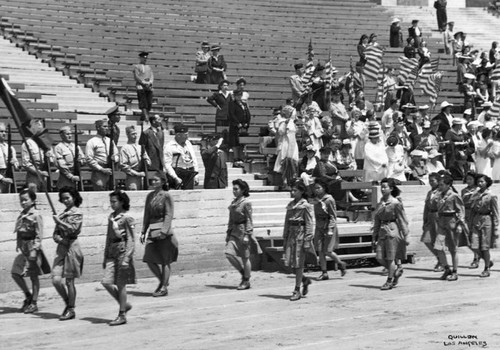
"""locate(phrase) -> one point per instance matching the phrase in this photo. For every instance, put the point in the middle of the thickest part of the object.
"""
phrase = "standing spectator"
(372, 40)
(426, 141)
(98, 155)
(296, 82)
(442, 18)
(362, 45)
(286, 146)
(359, 81)
(458, 45)
(392, 87)
(387, 121)
(415, 33)
(113, 119)
(241, 84)
(64, 153)
(239, 121)
(220, 100)
(68, 263)
(152, 139)
(409, 50)
(310, 113)
(298, 237)
(162, 247)
(376, 160)
(339, 115)
(494, 155)
(401, 134)
(493, 52)
(144, 78)
(390, 231)
(458, 149)
(424, 53)
(132, 161)
(214, 161)
(118, 261)
(357, 131)
(5, 182)
(449, 39)
(434, 165)
(396, 156)
(469, 92)
(483, 161)
(445, 117)
(180, 159)
(395, 34)
(216, 66)
(201, 67)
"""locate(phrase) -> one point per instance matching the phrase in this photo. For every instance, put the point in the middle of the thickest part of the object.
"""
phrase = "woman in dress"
(310, 112)
(429, 227)
(484, 222)
(216, 65)
(326, 234)
(483, 161)
(395, 34)
(397, 161)
(239, 238)
(494, 155)
(451, 226)
(118, 261)
(31, 261)
(287, 159)
(298, 237)
(68, 263)
(390, 231)
(161, 244)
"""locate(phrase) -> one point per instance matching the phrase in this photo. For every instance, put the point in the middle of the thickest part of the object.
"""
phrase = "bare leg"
(487, 258)
(299, 272)
(36, 288)
(335, 258)
(22, 284)
(454, 259)
(430, 246)
(442, 258)
(60, 288)
(165, 275)
(121, 292)
(322, 261)
(247, 268)
(236, 263)
(112, 290)
(70, 283)
(391, 267)
(155, 269)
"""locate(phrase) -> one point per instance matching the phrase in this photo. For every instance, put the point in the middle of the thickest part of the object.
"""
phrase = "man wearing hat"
(482, 116)
(445, 117)
(97, 151)
(6, 182)
(64, 153)
(180, 159)
(133, 160)
(296, 82)
(449, 39)
(153, 140)
(395, 34)
(113, 119)
(214, 160)
(376, 159)
(201, 65)
(216, 65)
(143, 76)
(458, 150)
(415, 33)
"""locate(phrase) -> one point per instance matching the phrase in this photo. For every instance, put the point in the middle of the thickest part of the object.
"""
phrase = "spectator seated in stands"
(482, 93)
(426, 141)
(481, 118)
(409, 51)
(216, 66)
(376, 160)
(343, 158)
(325, 170)
(287, 149)
(395, 34)
(418, 167)
(269, 135)
(338, 114)
(416, 33)
(307, 165)
(310, 115)
(434, 165)
(396, 167)
(468, 90)
(201, 66)
(214, 160)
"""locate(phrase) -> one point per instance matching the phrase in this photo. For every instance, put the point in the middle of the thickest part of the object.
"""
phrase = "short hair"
(471, 174)
(486, 178)
(163, 178)
(322, 183)
(73, 192)
(241, 80)
(325, 150)
(395, 192)
(122, 197)
(446, 178)
(301, 186)
(29, 192)
(434, 176)
(243, 185)
(222, 83)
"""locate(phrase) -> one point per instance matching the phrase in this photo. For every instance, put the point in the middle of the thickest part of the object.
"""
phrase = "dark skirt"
(233, 138)
(161, 252)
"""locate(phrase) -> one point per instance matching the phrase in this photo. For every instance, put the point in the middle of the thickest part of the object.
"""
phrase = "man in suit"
(445, 117)
(415, 33)
(214, 160)
(296, 82)
(153, 141)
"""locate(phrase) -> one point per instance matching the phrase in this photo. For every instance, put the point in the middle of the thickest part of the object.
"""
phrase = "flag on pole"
(495, 74)
(432, 86)
(307, 76)
(381, 85)
(328, 73)
(374, 55)
(408, 65)
(495, 109)
(427, 70)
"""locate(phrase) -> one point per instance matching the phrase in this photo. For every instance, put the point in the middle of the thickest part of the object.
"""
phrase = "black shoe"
(305, 285)
(474, 264)
(343, 269)
(31, 308)
(68, 314)
(491, 264)
(121, 319)
(244, 285)
(446, 273)
(397, 274)
(295, 296)
(324, 276)
(26, 303)
(128, 307)
(387, 286)
(452, 277)
(161, 292)
(485, 273)
(438, 268)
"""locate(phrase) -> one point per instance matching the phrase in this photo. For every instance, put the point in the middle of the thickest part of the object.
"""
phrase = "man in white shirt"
(387, 122)
(180, 159)
(296, 82)
(64, 152)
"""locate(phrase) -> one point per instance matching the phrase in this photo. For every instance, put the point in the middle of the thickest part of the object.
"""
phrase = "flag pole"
(23, 136)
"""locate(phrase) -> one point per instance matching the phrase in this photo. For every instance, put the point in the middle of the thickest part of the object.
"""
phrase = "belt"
(239, 223)
(447, 214)
(387, 221)
(118, 240)
(433, 211)
(297, 224)
(191, 168)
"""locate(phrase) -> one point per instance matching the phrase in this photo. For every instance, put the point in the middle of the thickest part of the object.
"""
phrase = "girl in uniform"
(390, 231)
(467, 194)
(239, 238)
(430, 219)
(31, 261)
(68, 262)
(326, 235)
(298, 236)
(118, 261)
(484, 223)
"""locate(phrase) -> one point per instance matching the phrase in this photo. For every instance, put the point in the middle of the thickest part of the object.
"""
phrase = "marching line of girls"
(447, 224)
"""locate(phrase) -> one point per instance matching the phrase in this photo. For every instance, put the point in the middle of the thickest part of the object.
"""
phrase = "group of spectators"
(210, 65)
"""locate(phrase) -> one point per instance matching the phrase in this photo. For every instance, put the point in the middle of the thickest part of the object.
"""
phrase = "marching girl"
(326, 235)
(118, 261)
(467, 195)
(484, 225)
(68, 262)
(451, 226)
(390, 231)
(430, 219)
(31, 261)
(298, 237)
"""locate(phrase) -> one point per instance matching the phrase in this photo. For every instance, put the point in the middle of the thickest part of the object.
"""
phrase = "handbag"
(201, 67)
(155, 230)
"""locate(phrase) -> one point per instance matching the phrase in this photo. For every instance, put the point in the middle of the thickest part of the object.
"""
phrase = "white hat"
(474, 123)
(445, 104)
(487, 104)
(334, 70)
(468, 111)
(457, 121)
(417, 153)
(433, 153)
(395, 20)
(469, 76)
(423, 108)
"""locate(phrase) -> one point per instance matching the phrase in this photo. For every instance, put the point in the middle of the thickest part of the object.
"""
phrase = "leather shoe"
(446, 273)
(324, 276)
(305, 285)
(161, 293)
(452, 277)
(244, 285)
(31, 308)
(491, 264)
(474, 264)
(387, 286)
(128, 307)
(295, 296)
(485, 273)
(438, 268)
(69, 314)
(342, 268)
(121, 319)
(26, 303)
(397, 274)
